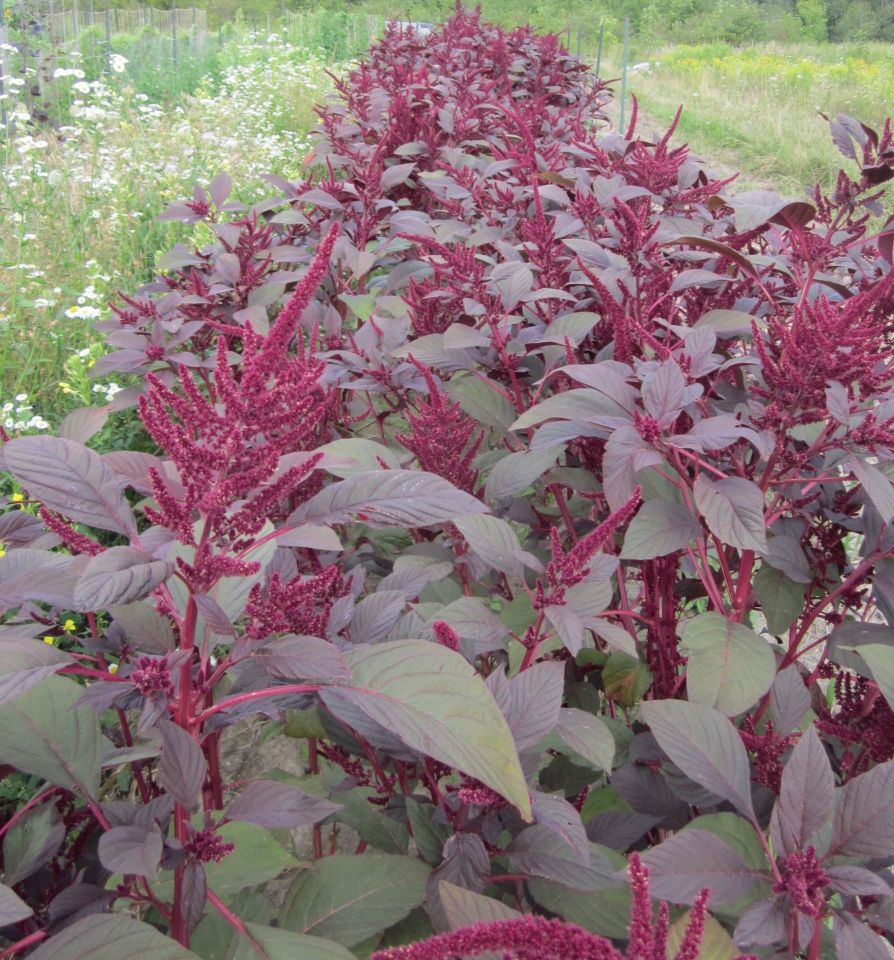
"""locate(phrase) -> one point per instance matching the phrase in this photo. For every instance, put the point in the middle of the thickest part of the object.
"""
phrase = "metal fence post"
(108, 39)
(624, 59)
(3, 41)
(174, 45)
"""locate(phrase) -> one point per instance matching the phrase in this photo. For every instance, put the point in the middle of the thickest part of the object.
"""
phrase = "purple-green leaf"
(12, 907)
(110, 937)
(806, 797)
(70, 479)
(31, 842)
(864, 816)
(659, 528)
(135, 849)
(689, 861)
(269, 803)
(182, 768)
(703, 743)
(119, 575)
(432, 700)
(302, 658)
(45, 733)
(729, 667)
(407, 498)
(733, 510)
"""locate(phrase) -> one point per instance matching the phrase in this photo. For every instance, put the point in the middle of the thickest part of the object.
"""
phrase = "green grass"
(78, 206)
(757, 108)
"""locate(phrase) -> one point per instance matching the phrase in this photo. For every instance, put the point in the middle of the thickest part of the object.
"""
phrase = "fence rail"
(169, 50)
(66, 24)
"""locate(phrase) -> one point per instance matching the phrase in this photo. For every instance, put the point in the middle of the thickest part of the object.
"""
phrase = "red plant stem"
(855, 576)
(135, 767)
(743, 591)
(626, 604)
(256, 695)
(556, 489)
(531, 651)
(432, 783)
(374, 763)
(211, 748)
(24, 943)
(703, 464)
(235, 923)
(771, 860)
(96, 810)
(814, 951)
(706, 578)
(184, 719)
(724, 566)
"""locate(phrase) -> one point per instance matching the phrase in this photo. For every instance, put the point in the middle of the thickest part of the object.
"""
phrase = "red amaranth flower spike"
(804, 880)
(207, 846)
(445, 635)
(569, 569)
(442, 437)
(536, 938)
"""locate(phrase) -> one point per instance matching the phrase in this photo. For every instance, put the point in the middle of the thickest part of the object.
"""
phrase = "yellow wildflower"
(113, 668)
(69, 626)
(17, 497)
(49, 640)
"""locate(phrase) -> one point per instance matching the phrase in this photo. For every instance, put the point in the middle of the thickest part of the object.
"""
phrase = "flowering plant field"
(78, 206)
(531, 489)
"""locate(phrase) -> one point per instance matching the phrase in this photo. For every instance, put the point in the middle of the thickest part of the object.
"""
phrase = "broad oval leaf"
(659, 528)
(494, 541)
(45, 733)
(864, 816)
(806, 796)
(25, 662)
(70, 479)
(578, 404)
(12, 907)
(302, 658)
(32, 842)
(587, 737)
(540, 852)
(132, 849)
(463, 908)
(182, 768)
(269, 803)
(703, 743)
(730, 667)
(347, 899)
(119, 575)
(111, 936)
(664, 391)
(516, 471)
(279, 944)
(83, 423)
(716, 943)
(734, 511)
(693, 859)
(390, 498)
(434, 701)
(879, 658)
